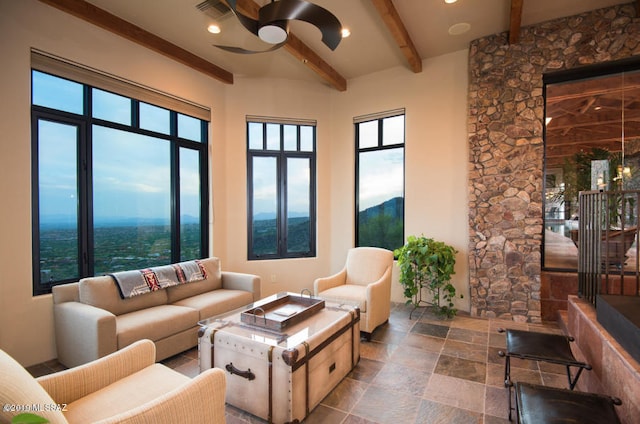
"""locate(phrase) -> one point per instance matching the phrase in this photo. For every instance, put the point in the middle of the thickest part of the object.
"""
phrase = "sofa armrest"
(66, 293)
(83, 333)
(240, 281)
(324, 283)
(75, 383)
(201, 400)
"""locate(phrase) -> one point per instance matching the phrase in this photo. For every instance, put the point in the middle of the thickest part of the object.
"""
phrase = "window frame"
(84, 165)
(281, 155)
(380, 146)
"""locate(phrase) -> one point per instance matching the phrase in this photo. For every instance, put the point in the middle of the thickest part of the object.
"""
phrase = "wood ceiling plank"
(392, 20)
(99, 17)
(515, 21)
(300, 50)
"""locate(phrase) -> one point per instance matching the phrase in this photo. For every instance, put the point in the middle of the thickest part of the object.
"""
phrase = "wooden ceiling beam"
(516, 21)
(299, 50)
(396, 27)
(103, 19)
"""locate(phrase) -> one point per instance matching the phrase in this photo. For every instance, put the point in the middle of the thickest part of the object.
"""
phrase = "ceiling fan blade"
(240, 50)
(302, 10)
(250, 24)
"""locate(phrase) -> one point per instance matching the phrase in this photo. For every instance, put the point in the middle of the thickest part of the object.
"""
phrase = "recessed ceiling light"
(460, 28)
(213, 29)
(345, 32)
(450, 1)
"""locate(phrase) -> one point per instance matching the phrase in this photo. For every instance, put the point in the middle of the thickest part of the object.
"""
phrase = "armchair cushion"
(352, 294)
(125, 394)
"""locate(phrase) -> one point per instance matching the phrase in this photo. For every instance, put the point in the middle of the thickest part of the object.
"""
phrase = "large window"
(118, 183)
(380, 180)
(281, 163)
(592, 143)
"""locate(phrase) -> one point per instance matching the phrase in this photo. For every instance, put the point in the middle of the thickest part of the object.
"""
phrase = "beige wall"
(436, 147)
(436, 162)
(26, 322)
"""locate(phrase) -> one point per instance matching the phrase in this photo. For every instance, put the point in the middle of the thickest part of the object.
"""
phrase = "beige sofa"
(123, 387)
(92, 320)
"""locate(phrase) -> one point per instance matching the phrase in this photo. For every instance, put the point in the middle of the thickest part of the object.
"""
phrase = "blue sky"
(131, 172)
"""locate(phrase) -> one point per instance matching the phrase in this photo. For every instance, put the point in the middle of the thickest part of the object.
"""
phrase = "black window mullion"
(85, 181)
(84, 123)
(282, 200)
(175, 201)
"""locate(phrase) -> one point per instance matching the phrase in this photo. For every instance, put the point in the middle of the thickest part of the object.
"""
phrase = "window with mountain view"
(281, 184)
(380, 180)
(118, 183)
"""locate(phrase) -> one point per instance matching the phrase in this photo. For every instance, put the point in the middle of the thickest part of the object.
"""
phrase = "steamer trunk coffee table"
(283, 354)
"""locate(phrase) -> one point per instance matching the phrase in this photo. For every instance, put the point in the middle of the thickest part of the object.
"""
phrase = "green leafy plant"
(427, 263)
(28, 418)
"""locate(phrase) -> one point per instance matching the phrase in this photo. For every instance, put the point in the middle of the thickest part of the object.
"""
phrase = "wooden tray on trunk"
(282, 312)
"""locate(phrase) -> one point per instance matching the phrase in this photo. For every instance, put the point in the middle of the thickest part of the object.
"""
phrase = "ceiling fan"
(272, 25)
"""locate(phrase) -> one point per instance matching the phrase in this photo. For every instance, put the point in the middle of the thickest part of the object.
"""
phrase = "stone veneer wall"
(505, 123)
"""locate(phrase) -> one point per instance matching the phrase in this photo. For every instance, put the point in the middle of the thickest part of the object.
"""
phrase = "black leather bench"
(545, 405)
(552, 348)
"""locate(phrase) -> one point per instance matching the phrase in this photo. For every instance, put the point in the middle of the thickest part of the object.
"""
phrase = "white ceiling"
(371, 46)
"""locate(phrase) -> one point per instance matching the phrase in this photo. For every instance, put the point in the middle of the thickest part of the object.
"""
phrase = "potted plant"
(427, 263)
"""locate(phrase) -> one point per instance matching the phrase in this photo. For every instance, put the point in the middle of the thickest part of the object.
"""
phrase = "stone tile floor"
(419, 370)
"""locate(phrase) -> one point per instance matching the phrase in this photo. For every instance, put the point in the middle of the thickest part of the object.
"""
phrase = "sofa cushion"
(217, 302)
(18, 387)
(212, 282)
(154, 323)
(125, 394)
(102, 292)
(352, 294)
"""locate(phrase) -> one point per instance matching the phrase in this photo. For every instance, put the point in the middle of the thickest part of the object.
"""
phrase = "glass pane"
(273, 136)
(380, 198)
(111, 107)
(298, 205)
(306, 138)
(265, 206)
(290, 137)
(58, 201)
(256, 136)
(368, 134)
(592, 143)
(131, 201)
(190, 219)
(154, 118)
(57, 93)
(189, 127)
(393, 130)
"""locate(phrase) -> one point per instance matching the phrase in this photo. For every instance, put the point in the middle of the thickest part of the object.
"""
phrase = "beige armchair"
(123, 387)
(365, 280)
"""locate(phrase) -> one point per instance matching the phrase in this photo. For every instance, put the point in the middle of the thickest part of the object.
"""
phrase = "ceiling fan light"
(274, 32)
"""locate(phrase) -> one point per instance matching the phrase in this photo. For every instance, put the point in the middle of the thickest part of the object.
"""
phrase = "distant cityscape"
(119, 247)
